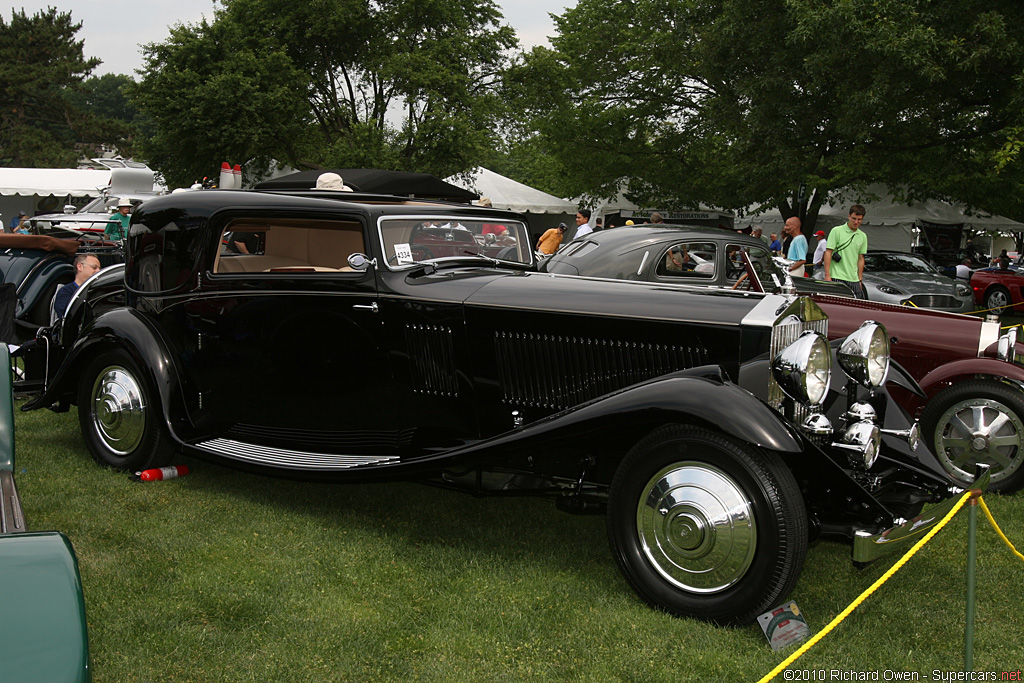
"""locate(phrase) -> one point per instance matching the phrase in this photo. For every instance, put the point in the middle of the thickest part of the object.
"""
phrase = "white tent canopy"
(506, 193)
(53, 181)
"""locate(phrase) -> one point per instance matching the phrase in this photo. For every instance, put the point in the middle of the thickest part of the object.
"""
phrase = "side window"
(734, 267)
(288, 246)
(763, 265)
(688, 260)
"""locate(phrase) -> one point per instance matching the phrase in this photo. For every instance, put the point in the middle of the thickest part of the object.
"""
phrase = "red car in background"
(997, 289)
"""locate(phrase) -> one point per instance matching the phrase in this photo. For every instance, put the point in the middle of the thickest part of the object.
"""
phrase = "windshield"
(896, 263)
(407, 241)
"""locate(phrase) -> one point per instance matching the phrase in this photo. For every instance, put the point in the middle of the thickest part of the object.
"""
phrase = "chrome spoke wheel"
(696, 527)
(998, 300)
(118, 410)
(979, 430)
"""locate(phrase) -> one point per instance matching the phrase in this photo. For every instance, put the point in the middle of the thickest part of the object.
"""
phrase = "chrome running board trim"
(290, 459)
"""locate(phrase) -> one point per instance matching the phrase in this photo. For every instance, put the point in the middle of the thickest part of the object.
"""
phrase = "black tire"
(978, 421)
(119, 416)
(997, 299)
(706, 527)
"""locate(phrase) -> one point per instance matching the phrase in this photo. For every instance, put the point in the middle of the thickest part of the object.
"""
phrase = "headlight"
(804, 368)
(962, 289)
(889, 289)
(864, 355)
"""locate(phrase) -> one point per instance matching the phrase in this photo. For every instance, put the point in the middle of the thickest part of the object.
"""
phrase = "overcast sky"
(114, 29)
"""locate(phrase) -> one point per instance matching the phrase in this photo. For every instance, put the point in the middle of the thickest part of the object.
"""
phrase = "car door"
(289, 348)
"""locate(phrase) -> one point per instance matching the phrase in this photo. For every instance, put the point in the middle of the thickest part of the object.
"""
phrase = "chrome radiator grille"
(554, 371)
(784, 333)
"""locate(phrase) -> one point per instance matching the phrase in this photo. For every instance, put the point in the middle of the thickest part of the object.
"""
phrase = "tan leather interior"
(322, 245)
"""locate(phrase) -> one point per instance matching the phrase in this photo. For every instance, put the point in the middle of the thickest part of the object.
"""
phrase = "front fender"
(126, 330)
(968, 368)
(696, 396)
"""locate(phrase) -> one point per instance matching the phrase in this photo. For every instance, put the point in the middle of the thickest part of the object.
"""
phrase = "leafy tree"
(389, 83)
(212, 95)
(41, 67)
(729, 103)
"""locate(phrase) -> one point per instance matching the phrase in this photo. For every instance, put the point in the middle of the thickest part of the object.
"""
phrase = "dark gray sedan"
(677, 254)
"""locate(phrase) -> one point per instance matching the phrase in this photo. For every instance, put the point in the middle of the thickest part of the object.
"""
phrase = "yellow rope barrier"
(863, 596)
(999, 531)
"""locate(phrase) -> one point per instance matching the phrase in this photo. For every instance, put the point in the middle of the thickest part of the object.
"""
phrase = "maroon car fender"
(969, 368)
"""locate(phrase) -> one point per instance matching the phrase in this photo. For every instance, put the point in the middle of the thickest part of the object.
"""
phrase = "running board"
(290, 459)
(12, 519)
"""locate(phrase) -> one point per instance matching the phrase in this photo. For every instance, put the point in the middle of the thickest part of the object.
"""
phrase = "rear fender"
(126, 330)
(43, 633)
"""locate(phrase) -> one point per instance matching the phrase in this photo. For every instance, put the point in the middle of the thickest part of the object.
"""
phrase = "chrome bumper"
(868, 547)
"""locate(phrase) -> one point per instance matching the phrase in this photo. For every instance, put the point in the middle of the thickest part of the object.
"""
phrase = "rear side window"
(286, 246)
(684, 260)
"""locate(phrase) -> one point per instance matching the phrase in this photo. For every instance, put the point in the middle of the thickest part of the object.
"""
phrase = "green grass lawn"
(225, 576)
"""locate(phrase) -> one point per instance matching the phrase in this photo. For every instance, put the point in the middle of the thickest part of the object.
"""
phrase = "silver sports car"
(898, 278)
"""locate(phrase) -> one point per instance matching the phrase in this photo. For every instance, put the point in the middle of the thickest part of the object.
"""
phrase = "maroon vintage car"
(972, 376)
(998, 289)
(452, 239)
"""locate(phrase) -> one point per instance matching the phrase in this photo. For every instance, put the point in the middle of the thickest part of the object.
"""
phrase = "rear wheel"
(997, 299)
(707, 527)
(979, 421)
(119, 417)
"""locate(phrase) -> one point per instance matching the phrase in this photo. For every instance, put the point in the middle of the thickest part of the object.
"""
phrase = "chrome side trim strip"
(289, 459)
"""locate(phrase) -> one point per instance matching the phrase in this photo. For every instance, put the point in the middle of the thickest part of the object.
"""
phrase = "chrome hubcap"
(119, 412)
(696, 527)
(997, 301)
(979, 431)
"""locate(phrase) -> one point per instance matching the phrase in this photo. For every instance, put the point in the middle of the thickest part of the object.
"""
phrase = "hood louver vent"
(431, 360)
(553, 371)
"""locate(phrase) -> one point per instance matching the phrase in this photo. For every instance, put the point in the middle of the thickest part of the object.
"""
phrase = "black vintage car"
(709, 425)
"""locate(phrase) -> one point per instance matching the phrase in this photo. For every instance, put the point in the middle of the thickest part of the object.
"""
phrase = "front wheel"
(979, 421)
(706, 527)
(119, 416)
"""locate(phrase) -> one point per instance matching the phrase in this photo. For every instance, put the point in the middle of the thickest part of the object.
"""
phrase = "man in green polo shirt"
(844, 253)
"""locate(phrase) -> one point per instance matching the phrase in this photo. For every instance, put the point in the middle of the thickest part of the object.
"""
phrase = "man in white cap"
(331, 181)
(117, 226)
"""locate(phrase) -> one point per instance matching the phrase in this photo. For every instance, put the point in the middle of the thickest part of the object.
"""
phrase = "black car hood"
(618, 298)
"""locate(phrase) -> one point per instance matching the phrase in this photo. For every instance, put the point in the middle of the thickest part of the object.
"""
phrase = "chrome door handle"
(372, 307)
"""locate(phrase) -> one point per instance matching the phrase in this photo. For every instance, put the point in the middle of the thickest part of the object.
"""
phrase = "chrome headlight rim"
(864, 354)
(803, 370)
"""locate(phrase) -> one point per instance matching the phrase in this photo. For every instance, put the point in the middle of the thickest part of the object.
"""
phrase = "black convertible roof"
(376, 181)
